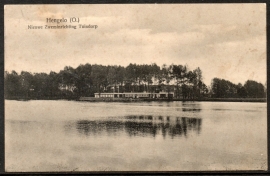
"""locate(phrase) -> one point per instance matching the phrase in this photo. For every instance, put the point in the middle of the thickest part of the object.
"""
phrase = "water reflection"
(141, 126)
(191, 107)
(191, 110)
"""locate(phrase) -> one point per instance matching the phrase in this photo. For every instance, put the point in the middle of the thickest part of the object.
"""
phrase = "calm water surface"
(144, 136)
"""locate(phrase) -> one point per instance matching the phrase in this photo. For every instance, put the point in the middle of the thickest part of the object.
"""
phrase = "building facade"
(135, 95)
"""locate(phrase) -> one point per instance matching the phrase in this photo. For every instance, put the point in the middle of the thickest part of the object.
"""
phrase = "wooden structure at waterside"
(136, 95)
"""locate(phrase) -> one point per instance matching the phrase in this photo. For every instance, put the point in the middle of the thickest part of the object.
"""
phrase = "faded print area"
(227, 41)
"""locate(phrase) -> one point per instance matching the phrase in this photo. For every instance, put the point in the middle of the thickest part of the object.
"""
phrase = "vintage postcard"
(135, 87)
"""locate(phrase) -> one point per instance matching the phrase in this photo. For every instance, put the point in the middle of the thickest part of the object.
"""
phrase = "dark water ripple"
(140, 126)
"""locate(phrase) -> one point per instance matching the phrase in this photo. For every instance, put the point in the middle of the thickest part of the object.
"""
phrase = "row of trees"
(221, 88)
(85, 80)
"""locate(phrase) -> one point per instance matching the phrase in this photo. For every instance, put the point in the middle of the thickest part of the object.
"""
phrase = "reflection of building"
(140, 126)
(135, 95)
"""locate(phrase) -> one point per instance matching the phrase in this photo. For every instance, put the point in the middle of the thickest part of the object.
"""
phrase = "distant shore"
(93, 99)
(219, 99)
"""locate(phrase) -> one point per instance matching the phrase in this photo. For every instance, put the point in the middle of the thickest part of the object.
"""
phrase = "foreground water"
(141, 136)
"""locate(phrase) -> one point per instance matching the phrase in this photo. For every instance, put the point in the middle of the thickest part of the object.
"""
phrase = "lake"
(43, 135)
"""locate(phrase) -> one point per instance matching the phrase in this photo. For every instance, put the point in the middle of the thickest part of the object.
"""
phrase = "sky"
(226, 41)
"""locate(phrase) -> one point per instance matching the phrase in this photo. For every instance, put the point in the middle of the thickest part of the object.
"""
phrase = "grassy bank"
(92, 99)
(215, 99)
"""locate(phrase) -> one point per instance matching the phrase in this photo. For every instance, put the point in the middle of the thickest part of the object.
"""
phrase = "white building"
(135, 95)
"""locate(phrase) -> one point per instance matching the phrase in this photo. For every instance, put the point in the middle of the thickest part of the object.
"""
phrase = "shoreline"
(92, 99)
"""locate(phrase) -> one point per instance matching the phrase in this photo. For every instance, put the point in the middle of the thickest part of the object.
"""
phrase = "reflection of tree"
(97, 127)
(141, 126)
(191, 107)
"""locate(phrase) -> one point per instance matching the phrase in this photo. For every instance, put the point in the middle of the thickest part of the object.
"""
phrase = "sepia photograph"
(135, 87)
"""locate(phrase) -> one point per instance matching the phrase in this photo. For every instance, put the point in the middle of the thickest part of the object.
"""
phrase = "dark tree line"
(221, 88)
(85, 80)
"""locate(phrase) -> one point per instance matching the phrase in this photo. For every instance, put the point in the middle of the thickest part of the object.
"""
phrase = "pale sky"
(225, 40)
